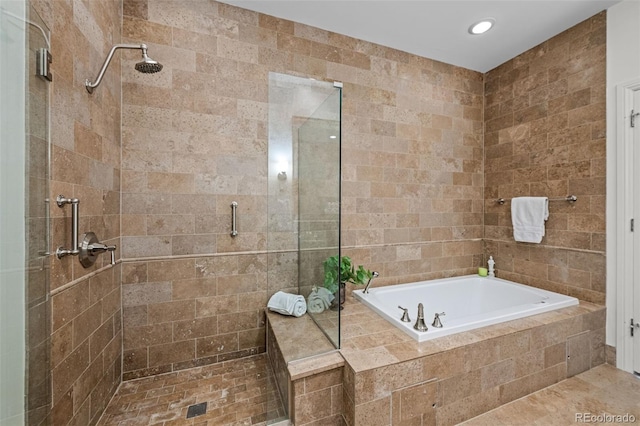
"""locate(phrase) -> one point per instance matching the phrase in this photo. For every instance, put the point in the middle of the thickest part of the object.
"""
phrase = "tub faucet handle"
(420, 325)
(436, 321)
(405, 314)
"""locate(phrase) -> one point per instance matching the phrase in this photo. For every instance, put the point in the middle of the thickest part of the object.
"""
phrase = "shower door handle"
(234, 208)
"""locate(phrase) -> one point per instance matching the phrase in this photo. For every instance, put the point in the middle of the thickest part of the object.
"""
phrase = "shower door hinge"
(43, 60)
(633, 118)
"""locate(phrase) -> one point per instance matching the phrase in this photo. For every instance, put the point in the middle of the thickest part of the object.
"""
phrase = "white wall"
(12, 213)
(623, 64)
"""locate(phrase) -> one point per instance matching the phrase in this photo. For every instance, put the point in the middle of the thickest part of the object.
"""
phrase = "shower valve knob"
(100, 248)
(90, 248)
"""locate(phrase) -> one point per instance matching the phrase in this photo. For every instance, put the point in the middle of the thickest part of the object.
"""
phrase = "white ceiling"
(438, 29)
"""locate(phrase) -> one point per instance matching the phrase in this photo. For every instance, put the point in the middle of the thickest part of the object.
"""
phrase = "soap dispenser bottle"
(492, 264)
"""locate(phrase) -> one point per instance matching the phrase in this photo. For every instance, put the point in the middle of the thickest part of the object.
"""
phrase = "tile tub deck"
(388, 378)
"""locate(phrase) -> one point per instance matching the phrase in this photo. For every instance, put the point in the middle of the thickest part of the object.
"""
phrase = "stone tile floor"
(238, 392)
(601, 390)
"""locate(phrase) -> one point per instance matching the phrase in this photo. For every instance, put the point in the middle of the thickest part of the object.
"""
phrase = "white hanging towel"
(528, 215)
(287, 304)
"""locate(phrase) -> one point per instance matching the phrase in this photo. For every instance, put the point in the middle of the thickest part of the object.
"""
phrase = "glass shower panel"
(304, 189)
(303, 209)
(318, 173)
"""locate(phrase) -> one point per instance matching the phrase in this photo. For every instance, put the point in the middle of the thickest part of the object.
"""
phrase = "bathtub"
(469, 302)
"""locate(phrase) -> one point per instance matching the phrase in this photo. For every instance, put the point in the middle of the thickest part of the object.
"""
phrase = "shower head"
(147, 66)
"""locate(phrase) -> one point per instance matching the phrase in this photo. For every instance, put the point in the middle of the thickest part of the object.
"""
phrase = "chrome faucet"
(436, 321)
(374, 274)
(420, 325)
(405, 314)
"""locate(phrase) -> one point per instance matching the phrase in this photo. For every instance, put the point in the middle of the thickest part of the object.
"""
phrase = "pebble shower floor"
(238, 392)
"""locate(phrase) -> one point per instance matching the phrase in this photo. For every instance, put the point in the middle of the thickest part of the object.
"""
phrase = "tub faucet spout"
(420, 325)
(374, 274)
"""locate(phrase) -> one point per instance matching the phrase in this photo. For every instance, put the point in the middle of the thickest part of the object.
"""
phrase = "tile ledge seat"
(304, 347)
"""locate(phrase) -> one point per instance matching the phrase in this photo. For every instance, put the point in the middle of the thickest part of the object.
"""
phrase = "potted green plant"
(336, 276)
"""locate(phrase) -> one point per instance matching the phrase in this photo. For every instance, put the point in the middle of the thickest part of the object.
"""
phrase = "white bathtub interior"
(469, 302)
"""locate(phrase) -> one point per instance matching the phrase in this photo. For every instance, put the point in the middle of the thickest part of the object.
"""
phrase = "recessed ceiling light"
(332, 137)
(482, 26)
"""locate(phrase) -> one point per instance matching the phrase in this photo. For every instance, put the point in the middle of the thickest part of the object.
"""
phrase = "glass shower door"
(12, 214)
(25, 391)
(38, 306)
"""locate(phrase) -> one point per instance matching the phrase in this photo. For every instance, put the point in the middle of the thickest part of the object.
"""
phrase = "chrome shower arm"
(92, 85)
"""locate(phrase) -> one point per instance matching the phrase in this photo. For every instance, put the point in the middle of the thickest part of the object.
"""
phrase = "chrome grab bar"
(234, 230)
(61, 252)
(90, 247)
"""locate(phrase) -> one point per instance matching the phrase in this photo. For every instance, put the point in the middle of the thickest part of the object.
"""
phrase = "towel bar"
(569, 198)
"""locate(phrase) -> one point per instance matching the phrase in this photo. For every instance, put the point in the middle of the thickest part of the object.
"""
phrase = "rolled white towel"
(319, 299)
(287, 304)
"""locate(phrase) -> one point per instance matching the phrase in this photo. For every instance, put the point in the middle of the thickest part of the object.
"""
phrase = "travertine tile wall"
(85, 129)
(86, 352)
(85, 163)
(278, 365)
(545, 136)
(187, 312)
(195, 139)
(317, 399)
